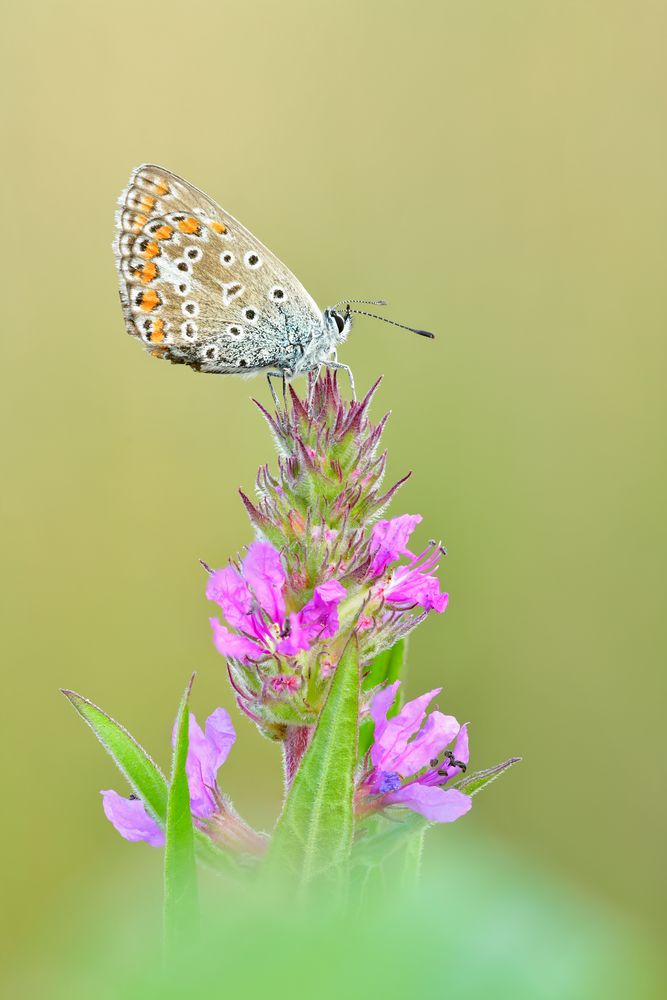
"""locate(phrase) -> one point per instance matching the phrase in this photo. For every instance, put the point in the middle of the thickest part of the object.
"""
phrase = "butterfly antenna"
(360, 302)
(392, 322)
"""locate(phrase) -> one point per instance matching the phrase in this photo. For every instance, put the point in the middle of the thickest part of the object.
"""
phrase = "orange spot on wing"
(218, 227)
(163, 233)
(138, 223)
(157, 333)
(189, 226)
(147, 202)
(149, 300)
(161, 187)
(152, 250)
(148, 272)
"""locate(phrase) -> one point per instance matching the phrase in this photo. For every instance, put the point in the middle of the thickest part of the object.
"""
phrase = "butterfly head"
(338, 323)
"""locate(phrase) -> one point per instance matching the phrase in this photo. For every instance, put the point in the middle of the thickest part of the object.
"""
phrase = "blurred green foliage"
(480, 926)
(497, 172)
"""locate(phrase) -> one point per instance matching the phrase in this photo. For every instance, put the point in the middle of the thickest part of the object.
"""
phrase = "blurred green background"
(496, 171)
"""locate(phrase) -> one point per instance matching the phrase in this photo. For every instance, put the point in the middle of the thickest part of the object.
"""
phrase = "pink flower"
(130, 818)
(207, 752)
(389, 540)
(253, 604)
(285, 682)
(412, 583)
(410, 762)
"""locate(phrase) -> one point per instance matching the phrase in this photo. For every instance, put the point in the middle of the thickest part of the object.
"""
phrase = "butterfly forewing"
(198, 288)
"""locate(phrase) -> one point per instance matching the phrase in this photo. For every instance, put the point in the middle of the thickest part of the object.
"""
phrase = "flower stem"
(295, 745)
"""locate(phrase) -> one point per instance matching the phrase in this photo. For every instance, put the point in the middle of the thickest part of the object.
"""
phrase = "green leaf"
(410, 860)
(387, 667)
(474, 783)
(144, 776)
(181, 910)
(381, 838)
(386, 857)
(313, 836)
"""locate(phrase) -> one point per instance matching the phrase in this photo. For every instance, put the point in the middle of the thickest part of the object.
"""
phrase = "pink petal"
(433, 803)
(320, 615)
(297, 641)
(236, 646)
(206, 754)
(263, 572)
(461, 750)
(392, 741)
(389, 540)
(438, 731)
(229, 590)
(130, 818)
(380, 706)
(415, 587)
(220, 735)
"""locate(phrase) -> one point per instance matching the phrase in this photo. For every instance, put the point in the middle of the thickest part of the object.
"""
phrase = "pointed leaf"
(142, 773)
(474, 783)
(181, 911)
(313, 836)
(144, 776)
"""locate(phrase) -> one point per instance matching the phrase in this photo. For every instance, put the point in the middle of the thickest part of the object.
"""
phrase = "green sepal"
(474, 783)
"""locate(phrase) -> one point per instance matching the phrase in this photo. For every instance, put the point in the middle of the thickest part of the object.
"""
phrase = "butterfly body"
(197, 288)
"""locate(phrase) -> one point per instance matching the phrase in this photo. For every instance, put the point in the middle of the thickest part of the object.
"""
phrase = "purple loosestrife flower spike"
(410, 762)
(323, 567)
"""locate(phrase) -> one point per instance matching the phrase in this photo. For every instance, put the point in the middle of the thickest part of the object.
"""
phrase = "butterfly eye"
(277, 293)
(339, 321)
(252, 260)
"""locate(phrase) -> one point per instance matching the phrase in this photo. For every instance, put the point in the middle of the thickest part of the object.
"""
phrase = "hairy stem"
(295, 745)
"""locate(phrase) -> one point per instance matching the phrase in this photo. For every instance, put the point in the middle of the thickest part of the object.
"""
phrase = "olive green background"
(497, 172)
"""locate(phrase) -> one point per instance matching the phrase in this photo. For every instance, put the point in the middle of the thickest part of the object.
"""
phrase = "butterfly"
(197, 288)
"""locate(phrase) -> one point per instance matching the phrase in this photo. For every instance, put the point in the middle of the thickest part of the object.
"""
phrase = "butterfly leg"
(312, 381)
(269, 376)
(345, 368)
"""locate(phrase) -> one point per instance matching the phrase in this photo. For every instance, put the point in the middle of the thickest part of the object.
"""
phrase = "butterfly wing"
(198, 288)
